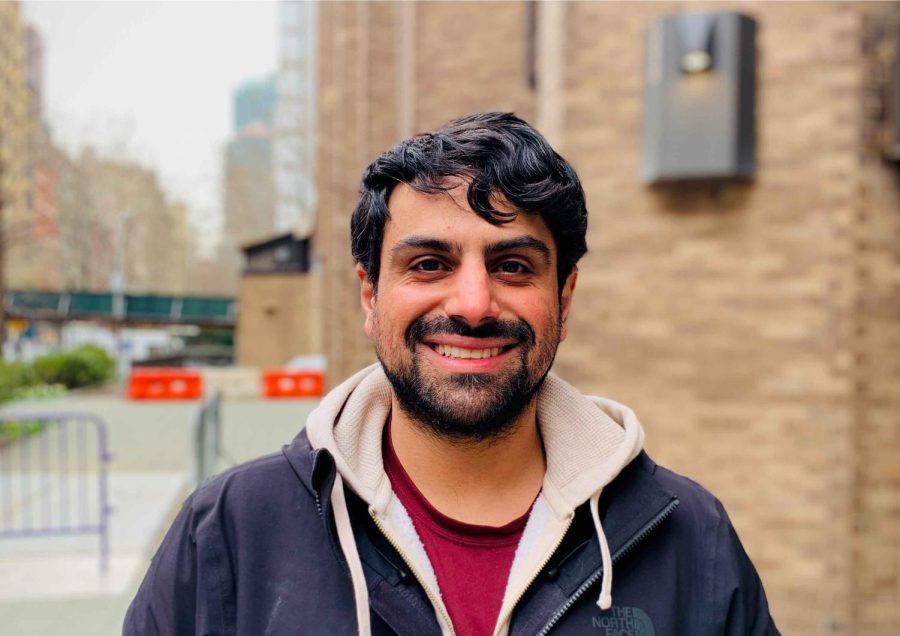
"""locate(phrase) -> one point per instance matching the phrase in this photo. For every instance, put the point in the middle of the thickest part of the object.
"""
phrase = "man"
(456, 487)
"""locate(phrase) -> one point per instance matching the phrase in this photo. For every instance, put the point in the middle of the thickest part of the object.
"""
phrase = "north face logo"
(623, 621)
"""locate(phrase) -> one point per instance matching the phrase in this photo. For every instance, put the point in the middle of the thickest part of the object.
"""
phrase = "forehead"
(448, 215)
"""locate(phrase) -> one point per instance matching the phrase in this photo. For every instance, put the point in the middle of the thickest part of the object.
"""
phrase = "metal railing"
(53, 476)
(207, 438)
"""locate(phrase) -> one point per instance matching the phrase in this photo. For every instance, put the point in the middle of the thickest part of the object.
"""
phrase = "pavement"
(52, 586)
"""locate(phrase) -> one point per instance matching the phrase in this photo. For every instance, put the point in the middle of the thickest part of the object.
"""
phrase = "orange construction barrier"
(293, 383)
(165, 384)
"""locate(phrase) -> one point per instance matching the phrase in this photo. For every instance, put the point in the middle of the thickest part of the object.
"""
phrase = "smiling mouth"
(459, 352)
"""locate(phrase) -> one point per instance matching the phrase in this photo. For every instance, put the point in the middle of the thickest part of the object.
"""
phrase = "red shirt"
(471, 562)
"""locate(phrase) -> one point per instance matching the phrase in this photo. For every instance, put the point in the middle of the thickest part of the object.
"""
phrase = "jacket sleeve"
(166, 600)
(738, 588)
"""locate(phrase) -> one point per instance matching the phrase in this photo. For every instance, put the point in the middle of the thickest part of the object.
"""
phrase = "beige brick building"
(139, 222)
(16, 128)
(755, 328)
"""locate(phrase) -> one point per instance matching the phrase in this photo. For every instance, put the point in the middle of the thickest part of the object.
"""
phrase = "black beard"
(500, 400)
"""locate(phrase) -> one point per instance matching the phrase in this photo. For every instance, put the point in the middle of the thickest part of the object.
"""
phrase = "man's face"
(467, 316)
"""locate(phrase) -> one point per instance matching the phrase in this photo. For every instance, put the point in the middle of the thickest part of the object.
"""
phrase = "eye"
(513, 268)
(428, 265)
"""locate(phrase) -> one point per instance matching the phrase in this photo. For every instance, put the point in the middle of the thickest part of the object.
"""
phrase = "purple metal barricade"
(53, 476)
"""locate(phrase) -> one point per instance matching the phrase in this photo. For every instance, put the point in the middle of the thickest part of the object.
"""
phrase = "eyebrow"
(518, 243)
(427, 243)
(508, 245)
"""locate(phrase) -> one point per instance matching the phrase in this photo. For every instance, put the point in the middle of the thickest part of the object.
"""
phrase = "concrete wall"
(754, 327)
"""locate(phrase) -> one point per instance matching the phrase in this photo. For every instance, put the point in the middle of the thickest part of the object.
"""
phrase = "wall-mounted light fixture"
(889, 58)
(695, 41)
(699, 101)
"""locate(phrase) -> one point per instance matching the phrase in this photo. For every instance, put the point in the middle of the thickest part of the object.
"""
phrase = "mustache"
(422, 327)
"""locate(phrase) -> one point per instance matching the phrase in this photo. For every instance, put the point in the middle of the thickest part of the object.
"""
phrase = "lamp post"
(118, 284)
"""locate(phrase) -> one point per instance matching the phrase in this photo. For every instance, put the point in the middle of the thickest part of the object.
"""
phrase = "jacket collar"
(629, 506)
(588, 440)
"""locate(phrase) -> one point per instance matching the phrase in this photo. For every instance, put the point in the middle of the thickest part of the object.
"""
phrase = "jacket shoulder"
(238, 531)
(703, 528)
(257, 480)
(693, 497)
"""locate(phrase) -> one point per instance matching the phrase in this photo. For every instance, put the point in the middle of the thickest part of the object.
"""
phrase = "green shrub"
(14, 377)
(14, 430)
(85, 366)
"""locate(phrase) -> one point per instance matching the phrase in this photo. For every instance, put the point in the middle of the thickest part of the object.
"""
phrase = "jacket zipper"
(435, 602)
(537, 571)
(625, 549)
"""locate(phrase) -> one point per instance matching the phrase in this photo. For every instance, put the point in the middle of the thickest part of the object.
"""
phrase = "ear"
(366, 298)
(565, 302)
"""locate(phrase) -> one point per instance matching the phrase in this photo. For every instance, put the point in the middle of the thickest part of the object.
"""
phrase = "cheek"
(541, 313)
(403, 306)
(386, 326)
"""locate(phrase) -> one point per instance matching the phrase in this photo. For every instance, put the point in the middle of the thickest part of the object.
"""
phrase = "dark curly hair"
(498, 154)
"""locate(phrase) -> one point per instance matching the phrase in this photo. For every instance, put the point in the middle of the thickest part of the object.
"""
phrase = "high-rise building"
(295, 117)
(36, 259)
(270, 163)
(249, 185)
(254, 103)
(34, 66)
(16, 142)
(249, 181)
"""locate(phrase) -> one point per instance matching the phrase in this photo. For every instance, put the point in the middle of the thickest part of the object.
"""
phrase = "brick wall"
(722, 313)
(876, 351)
(754, 328)
(275, 319)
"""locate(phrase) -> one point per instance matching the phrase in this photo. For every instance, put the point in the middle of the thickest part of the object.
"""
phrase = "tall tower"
(295, 118)
(249, 180)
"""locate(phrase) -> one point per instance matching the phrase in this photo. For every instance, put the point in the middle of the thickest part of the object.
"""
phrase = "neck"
(488, 483)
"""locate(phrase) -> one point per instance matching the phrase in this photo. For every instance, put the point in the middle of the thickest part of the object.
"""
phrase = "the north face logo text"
(623, 621)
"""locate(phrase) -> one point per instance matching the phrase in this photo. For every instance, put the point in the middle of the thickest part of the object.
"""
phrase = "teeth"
(457, 352)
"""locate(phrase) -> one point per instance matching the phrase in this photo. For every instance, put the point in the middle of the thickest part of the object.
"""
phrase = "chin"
(463, 407)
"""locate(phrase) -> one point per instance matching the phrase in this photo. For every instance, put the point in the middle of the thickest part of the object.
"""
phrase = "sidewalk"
(51, 586)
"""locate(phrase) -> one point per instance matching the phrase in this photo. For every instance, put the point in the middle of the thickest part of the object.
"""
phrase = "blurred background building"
(754, 325)
(16, 127)
(77, 223)
(295, 119)
(249, 176)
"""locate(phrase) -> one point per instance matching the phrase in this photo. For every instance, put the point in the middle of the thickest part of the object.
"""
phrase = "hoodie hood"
(587, 442)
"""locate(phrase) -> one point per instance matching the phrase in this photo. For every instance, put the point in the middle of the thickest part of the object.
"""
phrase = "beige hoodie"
(587, 440)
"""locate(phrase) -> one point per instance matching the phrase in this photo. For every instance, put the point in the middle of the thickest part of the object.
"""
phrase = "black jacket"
(254, 552)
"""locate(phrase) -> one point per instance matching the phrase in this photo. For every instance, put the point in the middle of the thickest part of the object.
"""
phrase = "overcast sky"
(154, 81)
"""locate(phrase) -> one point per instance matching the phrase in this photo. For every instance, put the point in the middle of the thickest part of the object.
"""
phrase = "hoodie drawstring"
(348, 546)
(605, 600)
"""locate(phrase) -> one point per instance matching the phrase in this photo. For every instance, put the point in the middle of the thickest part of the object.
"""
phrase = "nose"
(472, 296)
